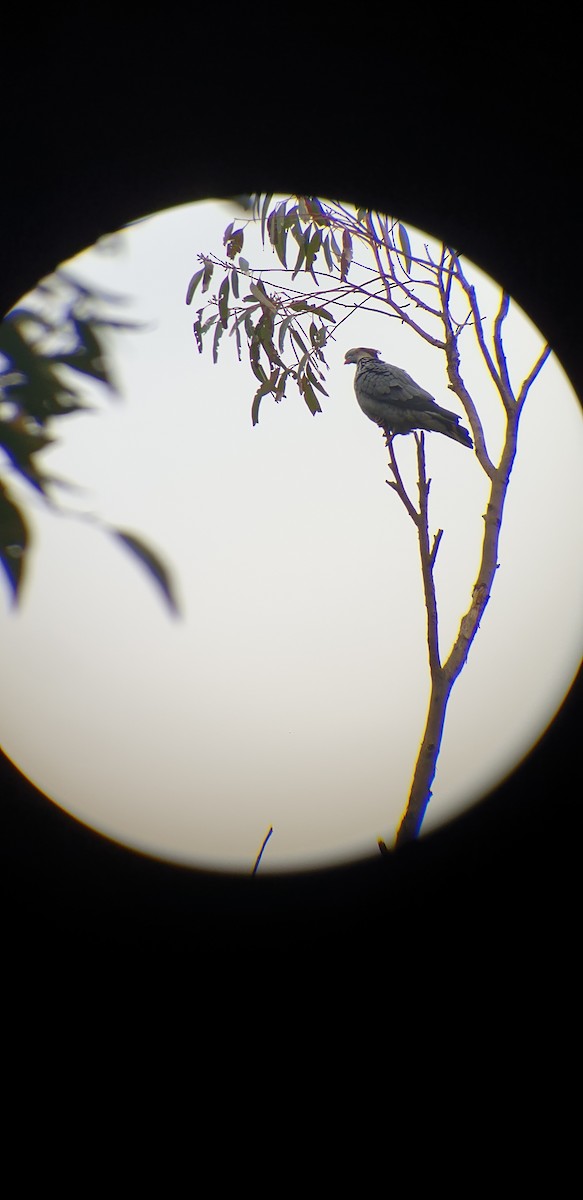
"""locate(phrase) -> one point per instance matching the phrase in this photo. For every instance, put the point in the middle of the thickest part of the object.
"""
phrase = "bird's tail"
(450, 427)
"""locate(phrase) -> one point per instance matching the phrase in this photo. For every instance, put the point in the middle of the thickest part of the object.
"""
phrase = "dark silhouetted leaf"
(327, 253)
(196, 278)
(13, 542)
(405, 246)
(151, 562)
(303, 306)
(235, 283)
(266, 202)
(266, 387)
(310, 396)
(224, 302)
(300, 341)
(207, 274)
(283, 328)
(346, 258)
(235, 243)
(218, 335)
(20, 444)
(314, 381)
(300, 258)
(258, 292)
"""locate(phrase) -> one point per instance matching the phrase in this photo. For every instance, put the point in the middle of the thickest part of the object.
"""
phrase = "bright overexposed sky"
(292, 690)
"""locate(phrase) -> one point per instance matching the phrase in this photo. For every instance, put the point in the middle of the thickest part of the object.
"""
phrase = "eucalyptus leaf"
(151, 562)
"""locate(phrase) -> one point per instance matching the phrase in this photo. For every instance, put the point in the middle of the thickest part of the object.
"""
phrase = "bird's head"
(359, 352)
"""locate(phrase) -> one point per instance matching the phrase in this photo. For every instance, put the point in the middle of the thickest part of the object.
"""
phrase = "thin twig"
(435, 548)
(259, 856)
(540, 362)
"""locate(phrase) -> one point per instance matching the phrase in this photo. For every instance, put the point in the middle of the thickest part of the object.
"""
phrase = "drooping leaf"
(13, 542)
(277, 230)
(327, 253)
(310, 396)
(151, 562)
(303, 306)
(267, 386)
(235, 283)
(299, 340)
(224, 302)
(405, 246)
(207, 274)
(300, 258)
(235, 243)
(219, 330)
(283, 328)
(92, 350)
(20, 445)
(316, 210)
(266, 202)
(346, 258)
(196, 278)
(256, 366)
(249, 326)
(259, 293)
(314, 381)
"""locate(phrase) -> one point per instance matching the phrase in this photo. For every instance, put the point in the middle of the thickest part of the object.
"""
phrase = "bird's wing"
(393, 385)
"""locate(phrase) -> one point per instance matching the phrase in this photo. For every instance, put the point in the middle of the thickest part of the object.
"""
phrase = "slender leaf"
(314, 381)
(235, 283)
(310, 396)
(299, 340)
(405, 246)
(220, 328)
(267, 386)
(13, 542)
(196, 278)
(283, 328)
(197, 330)
(266, 202)
(300, 258)
(207, 274)
(151, 562)
(346, 254)
(235, 243)
(224, 302)
(327, 253)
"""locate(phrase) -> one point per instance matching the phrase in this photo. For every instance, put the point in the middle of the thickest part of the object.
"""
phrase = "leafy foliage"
(285, 327)
(46, 345)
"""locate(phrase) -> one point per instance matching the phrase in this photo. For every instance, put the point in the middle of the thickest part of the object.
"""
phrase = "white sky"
(292, 691)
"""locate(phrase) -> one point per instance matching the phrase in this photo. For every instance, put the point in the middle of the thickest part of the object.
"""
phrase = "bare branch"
(398, 486)
(498, 346)
(457, 385)
(427, 559)
(528, 382)
(505, 393)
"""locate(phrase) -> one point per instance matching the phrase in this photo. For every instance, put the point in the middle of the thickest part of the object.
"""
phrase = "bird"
(389, 396)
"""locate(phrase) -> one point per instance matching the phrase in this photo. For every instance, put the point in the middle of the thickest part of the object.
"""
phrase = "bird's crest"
(355, 355)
